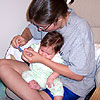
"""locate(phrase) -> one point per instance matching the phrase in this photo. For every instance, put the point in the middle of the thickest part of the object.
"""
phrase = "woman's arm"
(33, 57)
(61, 69)
(27, 34)
(21, 40)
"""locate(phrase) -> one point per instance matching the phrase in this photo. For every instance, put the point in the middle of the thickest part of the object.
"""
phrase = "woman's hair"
(47, 11)
(54, 39)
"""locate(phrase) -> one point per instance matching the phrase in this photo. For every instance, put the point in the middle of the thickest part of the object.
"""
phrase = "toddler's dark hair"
(54, 39)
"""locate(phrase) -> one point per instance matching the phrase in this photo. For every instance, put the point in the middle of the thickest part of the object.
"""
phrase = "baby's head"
(51, 44)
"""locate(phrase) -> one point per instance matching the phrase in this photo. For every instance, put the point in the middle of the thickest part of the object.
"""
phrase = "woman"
(77, 73)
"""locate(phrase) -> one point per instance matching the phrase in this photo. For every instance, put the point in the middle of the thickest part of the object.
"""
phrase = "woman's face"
(54, 26)
(50, 27)
(47, 28)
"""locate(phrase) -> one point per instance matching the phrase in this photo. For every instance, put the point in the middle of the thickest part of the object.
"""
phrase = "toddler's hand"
(50, 81)
(34, 85)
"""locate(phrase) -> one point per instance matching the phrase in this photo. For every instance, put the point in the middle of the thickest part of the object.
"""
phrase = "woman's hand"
(18, 41)
(30, 56)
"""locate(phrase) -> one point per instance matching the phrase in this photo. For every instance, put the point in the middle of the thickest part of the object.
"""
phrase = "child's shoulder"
(35, 47)
(58, 58)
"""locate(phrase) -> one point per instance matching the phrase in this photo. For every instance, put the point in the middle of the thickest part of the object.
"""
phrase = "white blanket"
(15, 52)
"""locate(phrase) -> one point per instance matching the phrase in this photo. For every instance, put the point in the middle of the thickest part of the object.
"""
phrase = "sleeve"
(82, 55)
(34, 31)
(32, 28)
(58, 59)
(35, 47)
(37, 35)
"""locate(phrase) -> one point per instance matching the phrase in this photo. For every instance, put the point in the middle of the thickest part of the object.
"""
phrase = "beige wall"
(90, 10)
(12, 21)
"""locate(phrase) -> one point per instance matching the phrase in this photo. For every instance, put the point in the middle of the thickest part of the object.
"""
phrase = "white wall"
(12, 21)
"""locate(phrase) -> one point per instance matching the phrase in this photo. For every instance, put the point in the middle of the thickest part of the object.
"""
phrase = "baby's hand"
(34, 85)
(50, 81)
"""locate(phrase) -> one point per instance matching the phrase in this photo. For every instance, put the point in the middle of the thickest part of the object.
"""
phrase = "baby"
(40, 76)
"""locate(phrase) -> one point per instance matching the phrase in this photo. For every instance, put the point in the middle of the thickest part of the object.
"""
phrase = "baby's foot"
(34, 85)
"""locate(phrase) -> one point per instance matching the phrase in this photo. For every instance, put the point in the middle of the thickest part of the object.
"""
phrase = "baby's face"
(47, 52)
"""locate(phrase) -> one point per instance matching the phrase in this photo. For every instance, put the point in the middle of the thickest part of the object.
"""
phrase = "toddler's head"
(51, 44)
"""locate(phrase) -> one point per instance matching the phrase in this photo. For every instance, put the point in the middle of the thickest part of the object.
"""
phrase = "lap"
(68, 94)
(14, 64)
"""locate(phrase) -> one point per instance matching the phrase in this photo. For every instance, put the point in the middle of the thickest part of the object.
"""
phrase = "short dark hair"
(47, 11)
(54, 39)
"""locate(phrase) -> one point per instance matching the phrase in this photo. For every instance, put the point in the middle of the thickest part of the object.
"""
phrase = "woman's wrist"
(42, 59)
(27, 34)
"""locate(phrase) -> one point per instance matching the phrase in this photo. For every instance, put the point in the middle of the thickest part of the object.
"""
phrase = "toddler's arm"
(51, 78)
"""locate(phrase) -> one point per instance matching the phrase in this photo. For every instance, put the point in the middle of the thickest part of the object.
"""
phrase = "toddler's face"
(47, 52)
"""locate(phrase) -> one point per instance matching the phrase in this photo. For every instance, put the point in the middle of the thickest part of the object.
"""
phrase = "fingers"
(27, 55)
(31, 56)
(22, 41)
(29, 52)
(50, 83)
(25, 59)
(14, 42)
(18, 41)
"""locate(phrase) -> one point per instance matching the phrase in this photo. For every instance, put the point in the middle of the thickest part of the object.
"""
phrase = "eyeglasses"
(44, 28)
